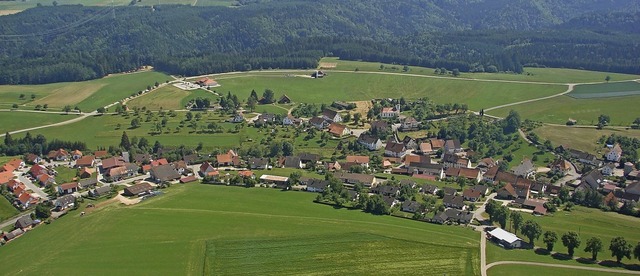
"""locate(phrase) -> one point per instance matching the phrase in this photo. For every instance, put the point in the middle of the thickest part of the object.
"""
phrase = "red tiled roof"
(100, 153)
(67, 186)
(159, 162)
(85, 161)
(15, 163)
(5, 177)
(359, 159)
(336, 129)
(188, 179)
(245, 173)
(7, 168)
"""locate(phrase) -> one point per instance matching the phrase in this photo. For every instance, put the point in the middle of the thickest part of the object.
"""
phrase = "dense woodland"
(72, 43)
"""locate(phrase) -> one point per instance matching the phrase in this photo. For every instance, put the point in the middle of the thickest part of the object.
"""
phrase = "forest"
(72, 42)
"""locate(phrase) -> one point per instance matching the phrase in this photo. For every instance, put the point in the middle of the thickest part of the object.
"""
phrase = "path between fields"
(569, 89)
(77, 119)
(562, 266)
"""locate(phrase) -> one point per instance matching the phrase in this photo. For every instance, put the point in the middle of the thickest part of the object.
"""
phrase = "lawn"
(550, 75)
(6, 209)
(169, 97)
(65, 175)
(203, 229)
(509, 270)
(10, 121)
(586, 111)
(363, 86)
(87, 95)
(584, 139)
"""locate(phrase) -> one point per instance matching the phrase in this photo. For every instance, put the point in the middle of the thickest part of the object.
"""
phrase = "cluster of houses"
(22, 225)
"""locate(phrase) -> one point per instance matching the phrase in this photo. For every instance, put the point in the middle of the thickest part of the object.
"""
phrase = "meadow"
(10, 121)
(169, 97)
(584, 139)
(86, 95)
(549, 75)
(203, 229)
(363, 86)
(586, 111)
(606, 90)
(6, 209)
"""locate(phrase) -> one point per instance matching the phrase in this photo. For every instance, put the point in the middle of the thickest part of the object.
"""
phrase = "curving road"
(77, 119)
(569, 89)
(562, 266)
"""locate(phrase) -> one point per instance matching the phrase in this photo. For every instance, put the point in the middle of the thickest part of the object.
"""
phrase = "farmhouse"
(608, 169)
(561, 166)
(237, 118)
(338, 130)
(164, 173)
(394, 149)
(291, 162)
(137, 189)
(318, 122)
(291, 120)
(358, 159)
(410, 124)
(88, 183)
(504, 238)
(526, 169)
(425, 148)
(58, 155)
(450, 160)
(379, 126)
(33, 159)
(112, 163)
(331, 115)
(24, 223)
(370, 142)
(226, 159)
(85, 161)
(205, 168)
(280, 181)
(614, 153)
(487, 163)
(284, 99)
(317, 185)
(452, 146)
(585, 158)
(259, 163)
(473, 175)
(85, 172)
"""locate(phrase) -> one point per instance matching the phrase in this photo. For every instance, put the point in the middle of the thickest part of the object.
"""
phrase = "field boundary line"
(563, 266)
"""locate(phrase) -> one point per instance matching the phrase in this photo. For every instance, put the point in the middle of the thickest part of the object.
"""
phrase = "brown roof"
(15, 163)
(408, 159)
(85, 161)
(67, 186)
(358, 159)
(510, 190)
(561, 164)
(394, 147)
(245, 173)
(471, 193)
(100, 153)
(57, 153)
(112, 162)
(224, 158)
(138, 188)
(436, 143)
(336, 129)
(425, 147)
(188, 179)
(159, 162)
(76, 152)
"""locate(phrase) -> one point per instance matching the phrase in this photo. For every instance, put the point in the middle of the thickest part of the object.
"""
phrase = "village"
(424, 178)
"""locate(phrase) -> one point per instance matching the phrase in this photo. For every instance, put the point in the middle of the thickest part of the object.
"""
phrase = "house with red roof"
(16, 163)
(159, 162)
(206, 168)
(25, 200)
(85, 161)
(68, 188)
(58, 155)
(46, 180)
(76, 154)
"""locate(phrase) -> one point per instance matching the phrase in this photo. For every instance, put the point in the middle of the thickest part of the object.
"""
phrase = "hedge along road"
(570, 88)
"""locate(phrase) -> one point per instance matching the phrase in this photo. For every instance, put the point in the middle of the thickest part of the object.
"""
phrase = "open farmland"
(550, 75)
(586, 111)
(6, 209)
(605, 90)
(86, 95)
(363, 86)
(217, 229)
(583, 139)
(517, 269)
(170, 97)
(10, 121)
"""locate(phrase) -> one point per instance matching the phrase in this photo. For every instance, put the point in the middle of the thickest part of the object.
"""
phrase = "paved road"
(27, 182)
(569, 89)
(483, 253)
(562, 266)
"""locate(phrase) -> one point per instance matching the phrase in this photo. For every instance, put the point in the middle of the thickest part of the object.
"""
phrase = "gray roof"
(88, 182)
(101, 190)
(24, 221)
(292, 162)
(165, 172)
(65, 200)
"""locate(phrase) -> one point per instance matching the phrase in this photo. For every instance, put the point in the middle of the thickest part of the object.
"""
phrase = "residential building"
(410, 124)
(452, 146)
(450, 160)
(164, 173)
(138, 189)
(390, 112)
(331, 115)
(394, 149)
(370, 142)
(68, 188)
(339, 130)
(526, 168)
(614, 153)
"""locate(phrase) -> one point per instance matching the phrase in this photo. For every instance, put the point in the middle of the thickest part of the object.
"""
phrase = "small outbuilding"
(505, 239)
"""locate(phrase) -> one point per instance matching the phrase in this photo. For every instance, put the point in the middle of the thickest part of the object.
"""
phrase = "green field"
(605, 90)
(583, 139)
(169, 97)
(202, 229)
(508, 270)
(10, 121)
(365, 86)
(6, 209)
(87, 95)
(550, 75)
(586, 111)
(65, 174)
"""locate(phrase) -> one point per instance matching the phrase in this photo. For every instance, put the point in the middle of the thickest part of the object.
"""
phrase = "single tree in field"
(571, 241)
(67, 108)
(268, 96)
(101, 110)
(124, 141)
(550, 238)
(531, 230)
(455, 72)
(607, 78)
(135, 123)
(516, 221)
(594, 245)
(356, 118)
(620, 248)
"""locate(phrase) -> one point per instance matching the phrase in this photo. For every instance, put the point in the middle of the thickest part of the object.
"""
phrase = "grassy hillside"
(170, 98)
(10, 121)
(221, 230)
(87, 95)
(551, 75)
(559, 109)
(365, 86)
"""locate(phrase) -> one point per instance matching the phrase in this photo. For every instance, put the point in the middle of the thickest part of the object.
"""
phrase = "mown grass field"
(363, 86)
(508, 270)
(584, 139)
(606, 90)
(550, 75)
(6, 209)
(87, 95)
(10, 121)
(586, 111)
(169, 97)
(201, 228)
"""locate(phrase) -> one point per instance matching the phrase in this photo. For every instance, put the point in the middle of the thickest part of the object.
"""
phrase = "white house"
(331, 115)
(371, 142)
(394, 149)
(390, 112)
(614, 153)
(410, 123)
